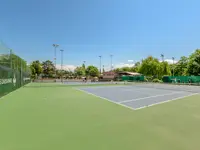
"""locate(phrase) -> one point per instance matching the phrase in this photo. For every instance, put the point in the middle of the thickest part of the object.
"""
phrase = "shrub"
(157, 80)
(145, 79)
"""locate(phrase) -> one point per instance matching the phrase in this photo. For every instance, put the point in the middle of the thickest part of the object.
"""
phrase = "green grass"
(62, 118)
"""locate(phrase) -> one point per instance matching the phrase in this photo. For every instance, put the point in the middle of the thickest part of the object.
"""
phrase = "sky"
(130, 30)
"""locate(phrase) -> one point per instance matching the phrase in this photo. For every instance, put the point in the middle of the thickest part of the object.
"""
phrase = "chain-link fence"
(14, 72)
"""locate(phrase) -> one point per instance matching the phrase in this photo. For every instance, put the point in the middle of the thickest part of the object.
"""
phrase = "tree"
(126, 69)
(150, 67)
(194, 63)
(92, 71)
(48, 68)
(117, 70)
(153, 68)
(79, 71)
(181, 67)
(59, 73)
(164, 69)
(36, 68)
(136, 67)
(83, 66)
(137, 64)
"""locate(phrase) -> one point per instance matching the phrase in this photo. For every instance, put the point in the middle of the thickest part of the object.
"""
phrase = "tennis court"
(139, 96)
(48, 116)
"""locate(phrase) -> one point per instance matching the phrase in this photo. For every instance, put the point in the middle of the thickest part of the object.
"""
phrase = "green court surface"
(43, 117)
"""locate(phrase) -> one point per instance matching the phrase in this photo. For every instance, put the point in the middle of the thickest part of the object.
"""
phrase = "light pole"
(162, 56)
(11, 59)
(55, 46)
(111, 61)
(173, 64)
(100, 64)
(84, 63)
(61, 64)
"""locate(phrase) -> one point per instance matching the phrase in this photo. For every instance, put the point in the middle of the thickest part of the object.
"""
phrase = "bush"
(149, 78)
(157, 81)
(145, 79)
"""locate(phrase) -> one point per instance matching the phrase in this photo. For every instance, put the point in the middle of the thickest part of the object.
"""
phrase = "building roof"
(129, 73)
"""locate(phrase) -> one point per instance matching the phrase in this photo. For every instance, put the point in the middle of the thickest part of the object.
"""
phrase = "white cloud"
(170, 61)
(66, 67)
(131, 61)
(120, 65)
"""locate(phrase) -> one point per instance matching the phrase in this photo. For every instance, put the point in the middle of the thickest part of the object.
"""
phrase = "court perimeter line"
(166, 101)
(131, 100)
(105, 99)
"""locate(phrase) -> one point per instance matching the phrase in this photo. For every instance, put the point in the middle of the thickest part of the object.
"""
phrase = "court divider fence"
(139, 78)
(193, 80)
(14, 71)
(181, 79)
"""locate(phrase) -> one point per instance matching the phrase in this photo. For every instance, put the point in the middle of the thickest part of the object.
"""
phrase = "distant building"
(128, 73)
(108, 76)
(111, 75)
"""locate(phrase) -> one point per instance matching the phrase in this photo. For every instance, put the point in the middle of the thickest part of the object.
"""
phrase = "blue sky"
(85, 29)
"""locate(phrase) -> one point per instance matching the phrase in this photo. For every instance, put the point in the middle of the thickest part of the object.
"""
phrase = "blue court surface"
(137, 97)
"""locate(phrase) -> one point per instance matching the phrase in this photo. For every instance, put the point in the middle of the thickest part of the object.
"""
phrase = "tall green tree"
(80, 71)
(83, 66)
(136, 67)
(194, 63)
(181, 67)
(36, 68)
(48, 68)
(92, 71)
(150, 67)
(164, 69)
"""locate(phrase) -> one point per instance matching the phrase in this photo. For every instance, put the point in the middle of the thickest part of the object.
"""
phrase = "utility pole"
(111, 62)
(61, 65)
(55, 47)
(100, 64)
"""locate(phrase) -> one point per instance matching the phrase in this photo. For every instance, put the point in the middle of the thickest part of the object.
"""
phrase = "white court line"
(131, 100)
(166, 101)
(139, 107)
(104, 98)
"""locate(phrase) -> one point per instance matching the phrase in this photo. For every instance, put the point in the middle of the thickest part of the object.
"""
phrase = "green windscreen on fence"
(14, 72)
(132, 78)
(181, 79)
